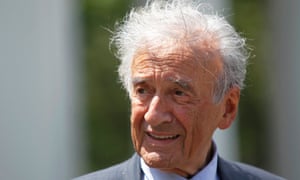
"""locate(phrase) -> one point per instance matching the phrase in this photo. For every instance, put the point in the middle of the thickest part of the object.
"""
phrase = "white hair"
(194, 22)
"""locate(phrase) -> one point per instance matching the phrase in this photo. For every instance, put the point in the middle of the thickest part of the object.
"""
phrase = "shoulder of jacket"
(238, 169)
(117, 171)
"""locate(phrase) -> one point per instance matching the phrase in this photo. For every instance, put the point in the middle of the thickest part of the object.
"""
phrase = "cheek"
(194, 128)
(190, 118)
(136, 120)
(197, 129)
(203, 124)
(137, 114)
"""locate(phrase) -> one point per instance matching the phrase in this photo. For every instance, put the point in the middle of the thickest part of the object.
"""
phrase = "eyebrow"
(185, 84)
(138, 80)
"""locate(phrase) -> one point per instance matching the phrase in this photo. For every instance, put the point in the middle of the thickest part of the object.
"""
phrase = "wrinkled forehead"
(204, 57)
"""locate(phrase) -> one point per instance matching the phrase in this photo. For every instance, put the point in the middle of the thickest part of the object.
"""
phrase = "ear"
(230, 107)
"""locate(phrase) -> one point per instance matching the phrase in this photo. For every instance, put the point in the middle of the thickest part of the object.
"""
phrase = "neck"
(189, 173)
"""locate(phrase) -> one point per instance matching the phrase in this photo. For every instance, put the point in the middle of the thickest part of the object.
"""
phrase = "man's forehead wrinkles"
(158, 56)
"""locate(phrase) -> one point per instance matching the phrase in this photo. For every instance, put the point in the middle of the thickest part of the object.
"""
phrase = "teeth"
(163, 137)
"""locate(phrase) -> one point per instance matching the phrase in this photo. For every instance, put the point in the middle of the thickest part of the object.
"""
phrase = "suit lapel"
(133, 168)
(229, 171)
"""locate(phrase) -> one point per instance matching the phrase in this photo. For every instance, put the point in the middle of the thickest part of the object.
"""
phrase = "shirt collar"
(208, 172)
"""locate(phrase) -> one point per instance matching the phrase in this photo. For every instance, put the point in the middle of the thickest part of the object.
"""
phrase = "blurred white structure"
(284, 65)
(39, 91)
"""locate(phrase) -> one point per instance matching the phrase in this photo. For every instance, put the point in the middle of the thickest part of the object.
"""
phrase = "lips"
(162, 137)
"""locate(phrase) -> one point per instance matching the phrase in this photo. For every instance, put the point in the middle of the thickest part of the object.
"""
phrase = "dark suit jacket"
(131, 170)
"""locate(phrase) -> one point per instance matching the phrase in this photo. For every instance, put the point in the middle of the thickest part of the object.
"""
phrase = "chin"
(156, 160)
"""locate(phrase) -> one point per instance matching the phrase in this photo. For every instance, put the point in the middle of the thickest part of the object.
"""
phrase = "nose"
(158, 112)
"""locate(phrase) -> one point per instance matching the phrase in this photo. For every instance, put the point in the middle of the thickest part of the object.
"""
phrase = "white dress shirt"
(209, 172)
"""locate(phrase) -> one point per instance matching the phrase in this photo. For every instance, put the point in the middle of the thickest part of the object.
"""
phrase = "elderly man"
(183, 69)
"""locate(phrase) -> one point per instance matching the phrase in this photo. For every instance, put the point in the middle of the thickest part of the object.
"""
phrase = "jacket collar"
(133, 168)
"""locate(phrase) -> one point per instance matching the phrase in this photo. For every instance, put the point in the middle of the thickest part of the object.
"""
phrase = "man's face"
(173, 114)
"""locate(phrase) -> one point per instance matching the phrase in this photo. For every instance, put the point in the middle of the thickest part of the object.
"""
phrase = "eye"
(141, 91)
(179, 93)
(180, 96)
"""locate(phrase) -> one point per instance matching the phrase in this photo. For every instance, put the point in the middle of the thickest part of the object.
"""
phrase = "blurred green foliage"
(250, 18)
(107, 103)
(108, 127)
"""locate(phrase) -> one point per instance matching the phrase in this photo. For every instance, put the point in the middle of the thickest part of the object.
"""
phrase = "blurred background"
(63, 112)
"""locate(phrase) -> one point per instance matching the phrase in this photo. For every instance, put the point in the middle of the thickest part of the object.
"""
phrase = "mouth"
(162, 137)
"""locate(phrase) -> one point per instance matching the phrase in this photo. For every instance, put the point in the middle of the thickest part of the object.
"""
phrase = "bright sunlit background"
(63, 112)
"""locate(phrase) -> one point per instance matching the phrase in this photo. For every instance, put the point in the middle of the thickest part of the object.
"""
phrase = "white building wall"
(39, 88)
(284, 73)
